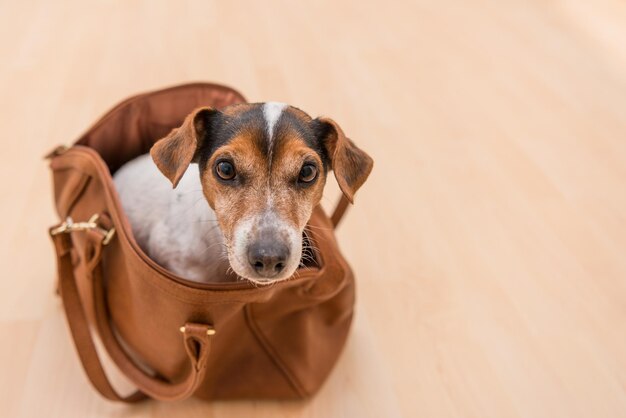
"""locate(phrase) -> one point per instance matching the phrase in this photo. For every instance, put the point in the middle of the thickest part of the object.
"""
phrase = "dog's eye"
(308, 173)
(225, 170)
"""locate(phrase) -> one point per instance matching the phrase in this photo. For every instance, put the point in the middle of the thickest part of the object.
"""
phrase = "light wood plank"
(489, 244)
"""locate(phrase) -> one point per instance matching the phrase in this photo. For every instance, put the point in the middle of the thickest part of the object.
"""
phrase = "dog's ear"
(173, 154)
(350, 164)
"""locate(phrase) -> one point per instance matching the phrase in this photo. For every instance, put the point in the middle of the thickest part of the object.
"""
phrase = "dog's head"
(263, 168)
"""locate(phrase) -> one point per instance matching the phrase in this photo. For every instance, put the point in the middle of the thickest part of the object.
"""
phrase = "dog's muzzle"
(268, 256)
(266, 248)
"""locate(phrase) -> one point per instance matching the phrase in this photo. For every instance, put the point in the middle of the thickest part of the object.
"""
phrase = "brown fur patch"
(259, 185)
(351, 165)
(174, 153)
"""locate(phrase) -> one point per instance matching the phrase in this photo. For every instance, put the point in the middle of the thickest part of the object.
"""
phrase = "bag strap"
(340, 210)
(195, 337)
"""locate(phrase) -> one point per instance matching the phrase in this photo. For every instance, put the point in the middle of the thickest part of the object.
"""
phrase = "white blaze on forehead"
(272, 112)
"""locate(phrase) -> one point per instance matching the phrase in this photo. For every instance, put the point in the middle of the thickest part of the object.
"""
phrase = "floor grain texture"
(489, 243)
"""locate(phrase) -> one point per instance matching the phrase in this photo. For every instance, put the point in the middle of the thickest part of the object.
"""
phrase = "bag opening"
(134, 125)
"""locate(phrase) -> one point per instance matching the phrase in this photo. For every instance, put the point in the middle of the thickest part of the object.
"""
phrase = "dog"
(233, 189)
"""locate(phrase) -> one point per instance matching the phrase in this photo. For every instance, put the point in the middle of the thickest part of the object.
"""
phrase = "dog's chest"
(175, 227)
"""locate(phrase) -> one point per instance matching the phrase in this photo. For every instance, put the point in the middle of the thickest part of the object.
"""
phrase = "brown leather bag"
(171, 337)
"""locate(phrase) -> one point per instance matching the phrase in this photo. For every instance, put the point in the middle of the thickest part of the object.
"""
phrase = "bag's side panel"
(148, 317)
(305, 327)
(68, 184)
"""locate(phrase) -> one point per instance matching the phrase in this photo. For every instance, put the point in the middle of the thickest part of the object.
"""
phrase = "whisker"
(309, 242)
(212, 246)
(318, 227)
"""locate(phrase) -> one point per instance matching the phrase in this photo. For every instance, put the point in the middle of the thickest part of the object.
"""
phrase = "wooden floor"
(489, 244)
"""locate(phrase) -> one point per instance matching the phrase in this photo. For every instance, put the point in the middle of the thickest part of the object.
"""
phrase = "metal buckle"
(61, 149)
(92, 224)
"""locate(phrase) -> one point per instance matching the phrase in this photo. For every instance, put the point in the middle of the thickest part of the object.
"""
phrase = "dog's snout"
(268, 257)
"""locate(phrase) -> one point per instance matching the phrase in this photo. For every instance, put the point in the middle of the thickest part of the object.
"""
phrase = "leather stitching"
(272, 354)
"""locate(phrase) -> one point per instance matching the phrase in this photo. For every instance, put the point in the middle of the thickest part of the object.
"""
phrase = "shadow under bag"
(171, 337)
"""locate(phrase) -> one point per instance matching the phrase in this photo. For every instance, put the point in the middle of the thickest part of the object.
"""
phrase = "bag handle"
(195, 336)
(340, 210)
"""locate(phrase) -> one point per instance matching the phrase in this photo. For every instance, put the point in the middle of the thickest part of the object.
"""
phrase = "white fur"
(272, 112)
(175, 227)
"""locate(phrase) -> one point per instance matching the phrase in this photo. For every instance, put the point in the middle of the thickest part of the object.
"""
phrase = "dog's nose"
(268, 257)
